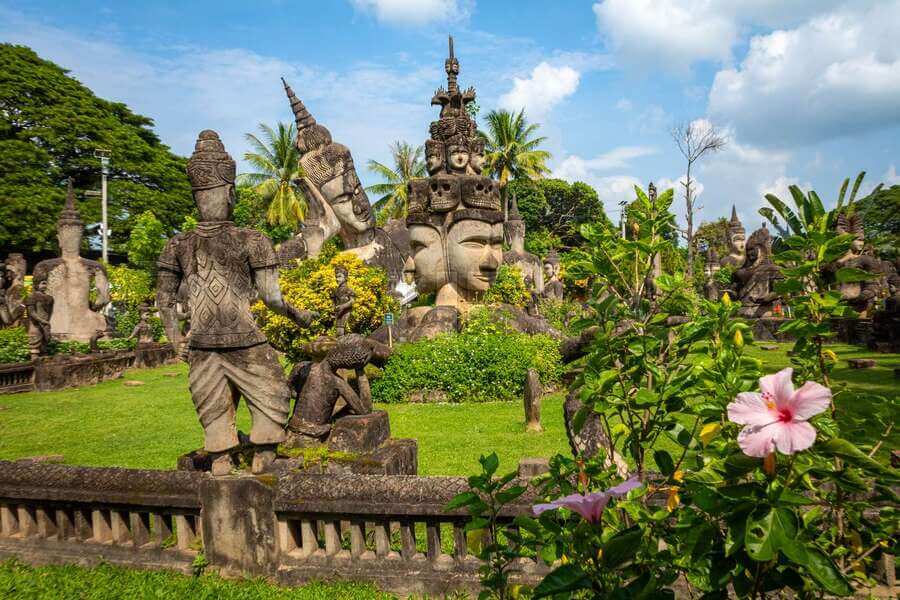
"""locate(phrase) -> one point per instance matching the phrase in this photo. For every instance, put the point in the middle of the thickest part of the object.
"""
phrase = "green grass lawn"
(150, 425)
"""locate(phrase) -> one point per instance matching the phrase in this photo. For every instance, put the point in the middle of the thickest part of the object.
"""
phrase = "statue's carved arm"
(101, 282)
(166, 298)
(350, 396)
(266, 280)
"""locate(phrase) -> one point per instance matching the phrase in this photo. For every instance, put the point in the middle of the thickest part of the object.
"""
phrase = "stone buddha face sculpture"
(474, 253)
(738, 242)
(216, 204)
(348, 200)
(213, 179)
(434, 157)
(69, 237)
(427, 262)
(457, 157)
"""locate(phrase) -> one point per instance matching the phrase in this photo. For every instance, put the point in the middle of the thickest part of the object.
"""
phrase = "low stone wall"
(64, 371)
(388, 530)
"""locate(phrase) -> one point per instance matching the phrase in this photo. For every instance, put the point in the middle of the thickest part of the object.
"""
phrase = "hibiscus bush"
(714, 479)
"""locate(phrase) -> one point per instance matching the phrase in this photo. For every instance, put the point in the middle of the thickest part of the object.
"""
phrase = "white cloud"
(611, 189)
(835, 75)
(545, 88)
(414, 12)
(891, 177)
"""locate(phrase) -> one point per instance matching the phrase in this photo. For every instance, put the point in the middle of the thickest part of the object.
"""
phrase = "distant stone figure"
(12, 285)
(226, 269)
(342, 297)
(737, 243)
(143, 331)
(39, 310)
(710, 270)
(533, 394)
(70, 280)
(553, 287)
(528, 264)
(861, 296)
(756, 279)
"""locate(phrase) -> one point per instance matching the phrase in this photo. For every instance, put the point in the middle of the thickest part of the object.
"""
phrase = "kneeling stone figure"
(226, 268)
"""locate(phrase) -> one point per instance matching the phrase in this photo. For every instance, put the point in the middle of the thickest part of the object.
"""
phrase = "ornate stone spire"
(513, 214)
(735, 224)
(69, 214)
(452, 101)
(302, 117)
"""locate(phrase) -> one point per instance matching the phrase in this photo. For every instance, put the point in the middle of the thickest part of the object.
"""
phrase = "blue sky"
(808, 91)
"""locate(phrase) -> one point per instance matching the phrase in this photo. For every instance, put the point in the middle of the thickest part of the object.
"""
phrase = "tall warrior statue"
(226, 269)
(70, 279)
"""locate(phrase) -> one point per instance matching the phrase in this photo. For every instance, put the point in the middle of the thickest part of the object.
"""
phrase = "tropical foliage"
(276, 160)
(409, 164)
(554, 210)
(512, 149)
(508, 288)
(50, 126)
(148, 237)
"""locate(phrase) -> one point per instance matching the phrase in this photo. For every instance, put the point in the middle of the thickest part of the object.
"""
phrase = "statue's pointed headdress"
(735, 225)
(302, 117)
(69, 214)
(513, 214)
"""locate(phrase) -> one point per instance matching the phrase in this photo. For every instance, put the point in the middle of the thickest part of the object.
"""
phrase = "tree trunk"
(689, 217)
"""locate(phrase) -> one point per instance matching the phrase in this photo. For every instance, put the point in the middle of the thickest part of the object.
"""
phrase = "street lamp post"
(103, 155)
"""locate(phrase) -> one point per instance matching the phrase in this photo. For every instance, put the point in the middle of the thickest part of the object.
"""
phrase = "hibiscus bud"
(738, 338)
(769, 464)
(673, 500)
(726, 299)
(830, 355)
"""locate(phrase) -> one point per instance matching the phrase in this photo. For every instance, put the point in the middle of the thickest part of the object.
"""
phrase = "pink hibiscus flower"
(589, 506)
(776, 418)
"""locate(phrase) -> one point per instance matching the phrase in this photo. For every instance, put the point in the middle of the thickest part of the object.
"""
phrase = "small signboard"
(389, 319)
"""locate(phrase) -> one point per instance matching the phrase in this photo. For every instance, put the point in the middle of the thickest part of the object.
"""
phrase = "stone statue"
(343, 298)
(70, 279)
(531, 309)
(455, 220)
(755, 281)
(39, 309)
(553, 287)
(710, 269)
(528, 264)
(339, 200)
(892, 282)
(12, 286)
(226, 268)
(143, 331)
(861, 296)
(737, 248)
(319, 387)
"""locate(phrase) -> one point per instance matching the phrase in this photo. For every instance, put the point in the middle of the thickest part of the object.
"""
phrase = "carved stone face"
(457, 158)
(858, 245)
(738, 243)
(69, 237)
(752, 255)
(215, 204)
(427, 258)
(340, 277)
(348, 200)
(474, 252)
(434, 158)
(42, 286)
(476, 163)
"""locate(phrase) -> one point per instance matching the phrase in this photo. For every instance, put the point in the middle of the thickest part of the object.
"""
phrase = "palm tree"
(275, 158)
(510, 150)
(409, 164)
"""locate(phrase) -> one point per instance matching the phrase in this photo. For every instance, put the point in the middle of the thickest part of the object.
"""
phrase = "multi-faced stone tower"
(455, 220)
(71, 279)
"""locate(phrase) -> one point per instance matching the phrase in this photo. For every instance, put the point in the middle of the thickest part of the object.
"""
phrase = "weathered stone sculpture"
(342, 297)
(12, 285)
(340, 202)
(755, 281)
(455, 220)
(226, 269)
(528, 264)
(143, 331)
(737, 243)
(553, 287)
(39, 308)
(861, 296)
(710, 270)
(70, 279)
(533, 394)
(319, 387)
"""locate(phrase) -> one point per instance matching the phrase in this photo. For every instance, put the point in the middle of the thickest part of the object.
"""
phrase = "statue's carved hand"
(303, 318)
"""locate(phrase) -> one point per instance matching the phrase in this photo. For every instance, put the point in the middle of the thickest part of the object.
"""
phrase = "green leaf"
(621, 547)
(477, 523)
(463, 499)
(852, 274)
(821, 568)
(508, 495)
(841, 448)
(645, 398)
(764, 533)
(664, 461)
(490, 463)
(562, 580)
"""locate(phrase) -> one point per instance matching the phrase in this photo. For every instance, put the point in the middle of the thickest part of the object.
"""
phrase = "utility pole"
(103, 155)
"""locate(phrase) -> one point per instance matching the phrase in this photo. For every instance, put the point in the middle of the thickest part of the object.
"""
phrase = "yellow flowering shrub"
(309, 287)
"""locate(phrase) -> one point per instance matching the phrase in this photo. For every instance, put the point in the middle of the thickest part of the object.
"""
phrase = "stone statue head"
(434, 156)
(514, 228)
(551, 265)
(340, 274)
(759, 246)
(476, 156)
(853, 225)
(70, 228)
(457, 156)
(15, 266)
(736, 234)
(474, 250)
(427, 262)
(211, 171)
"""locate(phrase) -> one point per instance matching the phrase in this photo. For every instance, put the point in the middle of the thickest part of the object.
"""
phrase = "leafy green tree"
(511, 148)
(557, 208)
(50, 126)
(278, 171)
(409, 163)
(148, 236)
(251, 210)
(880, 211)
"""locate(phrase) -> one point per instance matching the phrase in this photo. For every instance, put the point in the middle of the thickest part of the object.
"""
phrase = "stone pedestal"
(360, 433)
(238, 521)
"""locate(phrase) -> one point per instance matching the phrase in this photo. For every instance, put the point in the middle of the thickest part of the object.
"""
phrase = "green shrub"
(508, 288)
(130, 286)
(485, 362)
(13, 345)
(126, 321)
(562, 314)
(309, 287)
